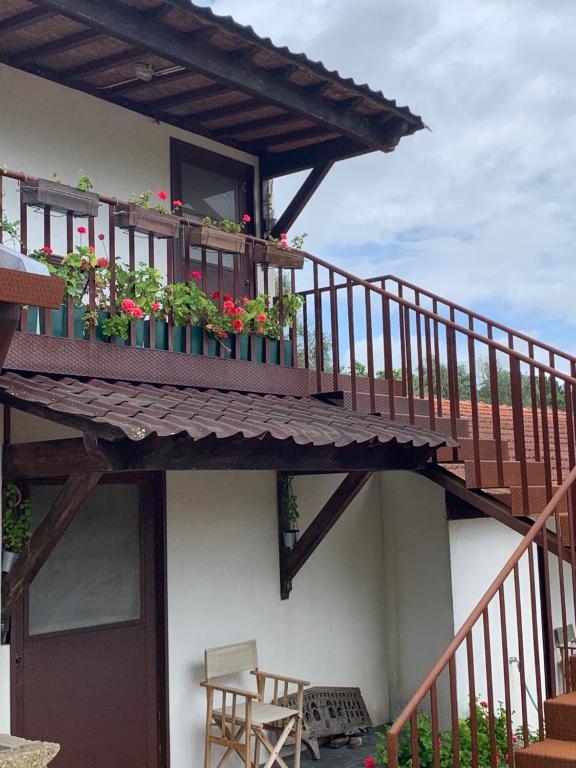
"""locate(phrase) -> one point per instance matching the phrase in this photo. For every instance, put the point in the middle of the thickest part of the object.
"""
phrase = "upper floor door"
(209, 184)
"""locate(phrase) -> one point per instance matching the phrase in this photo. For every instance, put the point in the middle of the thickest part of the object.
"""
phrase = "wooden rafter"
(178, 99)
(127, 24)
(101, 65)
(74, 492)
(291, 561)
(25, 19)
(68, 43)
(301, 198)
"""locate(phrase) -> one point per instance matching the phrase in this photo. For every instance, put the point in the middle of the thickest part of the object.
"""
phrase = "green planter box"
(60, 322)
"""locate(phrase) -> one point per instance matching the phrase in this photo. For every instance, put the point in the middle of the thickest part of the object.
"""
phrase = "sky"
(481, 208)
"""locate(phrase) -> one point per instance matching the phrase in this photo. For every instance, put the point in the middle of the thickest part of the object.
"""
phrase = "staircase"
(510, 403)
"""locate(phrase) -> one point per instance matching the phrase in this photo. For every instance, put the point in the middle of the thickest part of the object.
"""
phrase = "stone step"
(550, 753)
(511, 471)
(561, 717)
(537, 500)
(487, 448)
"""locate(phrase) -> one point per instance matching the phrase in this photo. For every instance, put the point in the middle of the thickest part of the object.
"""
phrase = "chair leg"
(297, 742)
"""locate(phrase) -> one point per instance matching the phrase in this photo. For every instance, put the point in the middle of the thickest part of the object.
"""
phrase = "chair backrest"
(559, 636)
(230, 659)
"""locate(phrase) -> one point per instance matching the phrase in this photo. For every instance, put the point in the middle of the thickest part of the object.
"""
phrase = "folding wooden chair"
(243, 719)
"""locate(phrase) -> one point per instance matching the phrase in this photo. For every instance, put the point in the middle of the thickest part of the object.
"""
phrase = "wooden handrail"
(441, 665)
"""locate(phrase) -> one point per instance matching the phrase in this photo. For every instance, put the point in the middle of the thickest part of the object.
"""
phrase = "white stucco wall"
(52, 128)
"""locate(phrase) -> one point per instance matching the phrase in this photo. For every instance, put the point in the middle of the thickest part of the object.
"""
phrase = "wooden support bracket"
(291, 561)
(301, 198)
(74, 492)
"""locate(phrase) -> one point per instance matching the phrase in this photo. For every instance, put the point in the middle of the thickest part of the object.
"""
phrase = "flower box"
(146, 220)
(217, 239)
(288, 258)
(61, 198)
(59, 319)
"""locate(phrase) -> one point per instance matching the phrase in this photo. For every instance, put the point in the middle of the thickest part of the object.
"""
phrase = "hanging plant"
(16, 524)
(290, 503)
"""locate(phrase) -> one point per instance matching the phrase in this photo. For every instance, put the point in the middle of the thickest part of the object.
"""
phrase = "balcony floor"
(344, 757)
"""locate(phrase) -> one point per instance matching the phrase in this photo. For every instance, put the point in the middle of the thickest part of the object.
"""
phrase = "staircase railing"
(512, 612)
(392, 356)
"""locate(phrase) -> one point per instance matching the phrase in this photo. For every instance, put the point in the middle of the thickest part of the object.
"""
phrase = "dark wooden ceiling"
(210, 76)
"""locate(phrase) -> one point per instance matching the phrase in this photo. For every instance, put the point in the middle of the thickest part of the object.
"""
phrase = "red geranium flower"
(227, 297)
(127, 305)
(177, 203)
(81, 230)
(162, 195)
(260, 330)
(484, 704)
(223, 335)
(196, 275)
(369, 762)
(238, 325)
(240, 311)
(284, 244)
(84, 263)
(246, 218)
(156, 306)
(215, 295)
(245, 300)
(101, 236)
(137, 312)
(47, 250)
(92, 249)
(283, 236)
(262, 318)
(102, 262)
(228, 307)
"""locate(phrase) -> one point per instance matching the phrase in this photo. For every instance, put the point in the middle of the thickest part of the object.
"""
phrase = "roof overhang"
(144, 427)
(209, 75)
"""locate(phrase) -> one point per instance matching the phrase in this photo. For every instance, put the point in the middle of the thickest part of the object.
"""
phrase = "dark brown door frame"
(156, 495)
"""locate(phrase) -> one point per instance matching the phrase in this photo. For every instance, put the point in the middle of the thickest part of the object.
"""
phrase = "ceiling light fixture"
(143, 72)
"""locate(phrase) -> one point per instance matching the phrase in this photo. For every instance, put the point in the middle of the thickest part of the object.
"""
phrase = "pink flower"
(101, 236)
(369, 762)
(162, 195)
(238, 325)
(196, 275)
(102, 262)
(137, 312)
(156, 306)
(177, 203)
(245, 300)
(92, 249)
(223, 334)
(283, 236)
(127, 305)
(239, 311)
(246, 218)
(81, 230)
(284, 244)
(47, 250)
(260, 330)
(262, 318)
(484, 704)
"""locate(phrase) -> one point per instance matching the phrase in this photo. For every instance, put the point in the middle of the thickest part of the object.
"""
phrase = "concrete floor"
(345, 757)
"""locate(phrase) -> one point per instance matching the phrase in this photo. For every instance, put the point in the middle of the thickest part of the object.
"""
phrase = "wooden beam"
(102, 64)
(302, 134)
(127, 24)
(325, 520)
(25, 19)
(255, 124)
(9, 315)
(278, 164)
(177, 99)
(74, 492)
(57, 458)
(248, 105)
(301, 198)
(60, 45)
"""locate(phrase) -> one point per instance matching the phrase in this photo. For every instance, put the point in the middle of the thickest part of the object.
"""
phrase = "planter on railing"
(276, 256)
(61, 198)
(146, 220)
(59, 322)
(217, 239)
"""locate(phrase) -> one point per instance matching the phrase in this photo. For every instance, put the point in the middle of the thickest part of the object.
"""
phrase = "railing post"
(544, 614)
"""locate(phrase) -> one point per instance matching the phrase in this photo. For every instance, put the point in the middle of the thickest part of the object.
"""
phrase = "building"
(174, 448)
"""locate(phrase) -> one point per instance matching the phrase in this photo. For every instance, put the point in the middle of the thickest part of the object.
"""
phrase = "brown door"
(209, 184)
(84, 642)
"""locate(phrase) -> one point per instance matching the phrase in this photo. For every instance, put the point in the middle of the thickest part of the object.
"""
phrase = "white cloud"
(483, 207)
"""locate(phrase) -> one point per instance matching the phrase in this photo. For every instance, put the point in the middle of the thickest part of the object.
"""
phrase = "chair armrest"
(230, 689)
(282, 678)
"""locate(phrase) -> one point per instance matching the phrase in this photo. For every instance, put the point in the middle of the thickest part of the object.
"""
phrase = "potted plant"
(80, 201)
(16, 525)
(224, 235)
(290, 501)
(278, 253)
(141, 216)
